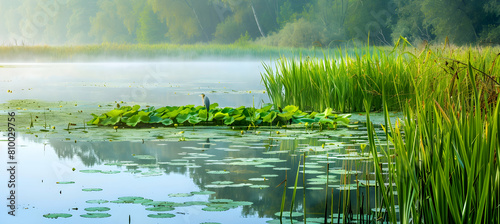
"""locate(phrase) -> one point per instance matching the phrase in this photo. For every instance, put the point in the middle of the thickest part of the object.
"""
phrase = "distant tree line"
(297, 23)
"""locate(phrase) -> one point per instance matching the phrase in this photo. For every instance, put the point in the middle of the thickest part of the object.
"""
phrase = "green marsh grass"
(445, 160)
(348, 78)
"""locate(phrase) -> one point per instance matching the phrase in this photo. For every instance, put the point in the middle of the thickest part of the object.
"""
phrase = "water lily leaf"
(265, 108)
(171, 114)
(326, 120)
(91, 189)
(115, 113)
(229, 120)
(180, 195)
(343, 120)
(213, 106)
(239, 117)
(111, 120)
(161, 215)
(65, 182)
(220, 115)
(221, 200)
(215, 209)
(203, 192)
(133, 121)
(194, 120)
(96, 215)
(291, 108)
(181, 118)
(57, 215)
(259, 186)
(100, 201)
(97, 209)
(287, 214)
(203, 115)
(227, 110)
(131, 199)
(167, 121)
(136, 107)
(190, 203)
(154, 119)
(241, 203)
(270, 117)
(90, 171)
(161, 209)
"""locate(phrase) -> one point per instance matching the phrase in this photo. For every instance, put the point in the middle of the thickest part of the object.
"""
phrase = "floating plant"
(97, 209)
(57, 215)
(161, 215)
(91, 189)
(96, 215)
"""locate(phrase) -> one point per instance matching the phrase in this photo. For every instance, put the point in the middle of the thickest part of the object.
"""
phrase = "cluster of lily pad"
(175, 115)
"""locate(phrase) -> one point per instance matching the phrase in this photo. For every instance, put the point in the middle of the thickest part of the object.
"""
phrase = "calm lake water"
(221, 169)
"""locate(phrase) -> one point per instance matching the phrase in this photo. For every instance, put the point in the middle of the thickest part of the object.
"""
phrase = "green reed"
(446, 155)
(343, 82)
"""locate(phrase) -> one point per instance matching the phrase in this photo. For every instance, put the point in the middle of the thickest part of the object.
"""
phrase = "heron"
(206, 101)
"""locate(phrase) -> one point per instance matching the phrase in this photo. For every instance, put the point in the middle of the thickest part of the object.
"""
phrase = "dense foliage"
(189, 114)
(345, 81)
(297, 23)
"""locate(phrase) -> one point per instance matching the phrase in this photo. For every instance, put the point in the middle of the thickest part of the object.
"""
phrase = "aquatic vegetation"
(161, 215)
(65, 182)
(57, 215)
(132, 116)
(99, 201)
(91, 189)
(444, 163)
(97, 209)
(342, 82)
(96, 215)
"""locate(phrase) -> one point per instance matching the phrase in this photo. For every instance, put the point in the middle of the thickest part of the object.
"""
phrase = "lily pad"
(65, 182)
(131, 199)
(57, 215)
(91, 189)
(203, 192)
(90, 171)
(241, 203)
(96, 215)
(189, 203)
(180, 195)
(97, 209)
(100, 201)
(110, 172)
(161, 215)
(222, 200)
(215, 209)
(160, 209)
(259, 186)
(287, 214)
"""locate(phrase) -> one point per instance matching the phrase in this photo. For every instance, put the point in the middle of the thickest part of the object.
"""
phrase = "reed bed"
(442, 157)
(444, 161)
(344, 81)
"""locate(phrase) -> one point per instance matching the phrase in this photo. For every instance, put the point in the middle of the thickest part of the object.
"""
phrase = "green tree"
(150, 29)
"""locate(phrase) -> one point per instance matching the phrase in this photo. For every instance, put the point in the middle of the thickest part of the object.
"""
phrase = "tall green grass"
(345, 81)
(446, 154)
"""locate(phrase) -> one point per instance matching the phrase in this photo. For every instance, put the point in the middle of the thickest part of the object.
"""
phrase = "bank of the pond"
(149, 52)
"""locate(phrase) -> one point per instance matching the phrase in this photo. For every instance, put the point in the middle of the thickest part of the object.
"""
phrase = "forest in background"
(290, 23)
